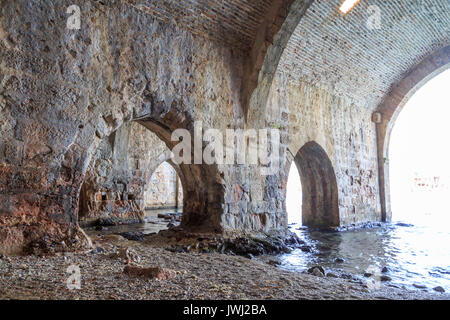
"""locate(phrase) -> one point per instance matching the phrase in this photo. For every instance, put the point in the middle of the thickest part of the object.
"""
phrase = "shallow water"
(153, 224)
(413, 254)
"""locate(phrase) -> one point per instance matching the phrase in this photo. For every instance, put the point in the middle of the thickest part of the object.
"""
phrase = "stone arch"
(201, 183)
(153, 167)
(320, 208)
(115, 184)
(203, 190)
(388, 111)
(266, 54)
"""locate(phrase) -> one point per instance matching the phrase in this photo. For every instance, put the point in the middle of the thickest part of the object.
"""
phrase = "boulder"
(439, 289)
(317, 271)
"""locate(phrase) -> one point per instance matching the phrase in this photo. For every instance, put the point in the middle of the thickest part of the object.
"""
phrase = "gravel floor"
(200, 276)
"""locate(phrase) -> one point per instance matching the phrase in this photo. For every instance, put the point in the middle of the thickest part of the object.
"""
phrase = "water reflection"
(412, 254)
(153, 224)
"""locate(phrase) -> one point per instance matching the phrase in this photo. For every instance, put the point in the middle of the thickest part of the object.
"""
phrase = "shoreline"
(199, 276)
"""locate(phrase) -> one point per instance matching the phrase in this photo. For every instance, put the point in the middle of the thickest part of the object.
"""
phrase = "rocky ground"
(197, 276)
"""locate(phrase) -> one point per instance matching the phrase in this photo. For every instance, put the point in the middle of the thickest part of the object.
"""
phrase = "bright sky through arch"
(420, 147)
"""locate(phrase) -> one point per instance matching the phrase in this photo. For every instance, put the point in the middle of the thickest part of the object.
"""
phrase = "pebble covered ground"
(199, 276)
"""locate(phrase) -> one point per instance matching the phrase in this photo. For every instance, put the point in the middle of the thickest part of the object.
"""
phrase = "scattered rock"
(133, 236)
(178, 249)
(128, 254)
(368, 274)
(149, 234)
(151, 273)
(385, 278)
(113, 237)
(354, 226)
(401, 224)
(339, 260)
(384, 270)
(317, 271)
(419, 286)
(332, 275)
(105, 222)
(256, 245)
(113, 221)
(274, 262)
(98, 250)
(439, 289)
(305, 248)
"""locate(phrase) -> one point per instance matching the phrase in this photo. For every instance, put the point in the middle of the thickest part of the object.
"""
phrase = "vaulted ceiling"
(232, 22)
(342, 54)
(327, 48)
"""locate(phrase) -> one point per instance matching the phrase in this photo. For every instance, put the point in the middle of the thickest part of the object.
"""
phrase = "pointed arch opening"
(119, 174)
(320, 207)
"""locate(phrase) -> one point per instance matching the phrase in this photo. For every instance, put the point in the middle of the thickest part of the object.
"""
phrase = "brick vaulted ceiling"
(232, 22)
(326, 49)
(341, 54)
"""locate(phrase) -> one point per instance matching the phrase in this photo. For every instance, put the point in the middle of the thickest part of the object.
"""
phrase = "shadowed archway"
(320, 193)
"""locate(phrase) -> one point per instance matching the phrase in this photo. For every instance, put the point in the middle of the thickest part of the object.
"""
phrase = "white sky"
(294, 196)
(420, 145)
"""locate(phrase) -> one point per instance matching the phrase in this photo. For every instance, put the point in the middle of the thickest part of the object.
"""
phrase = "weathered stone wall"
(343, 129)
(65, 90)
(68, 97)
(119, 172)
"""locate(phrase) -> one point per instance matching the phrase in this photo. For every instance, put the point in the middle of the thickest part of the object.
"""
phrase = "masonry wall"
(119, 172)
(67, 90)
(343, 128)
(69, 96)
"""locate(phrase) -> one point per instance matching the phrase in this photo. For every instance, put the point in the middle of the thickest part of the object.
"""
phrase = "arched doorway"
(117, 177)
(387, 112)
(163, 195)
(319, 187)
(115, 181)
(418, 159)
(294, 196)
(164, 189)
